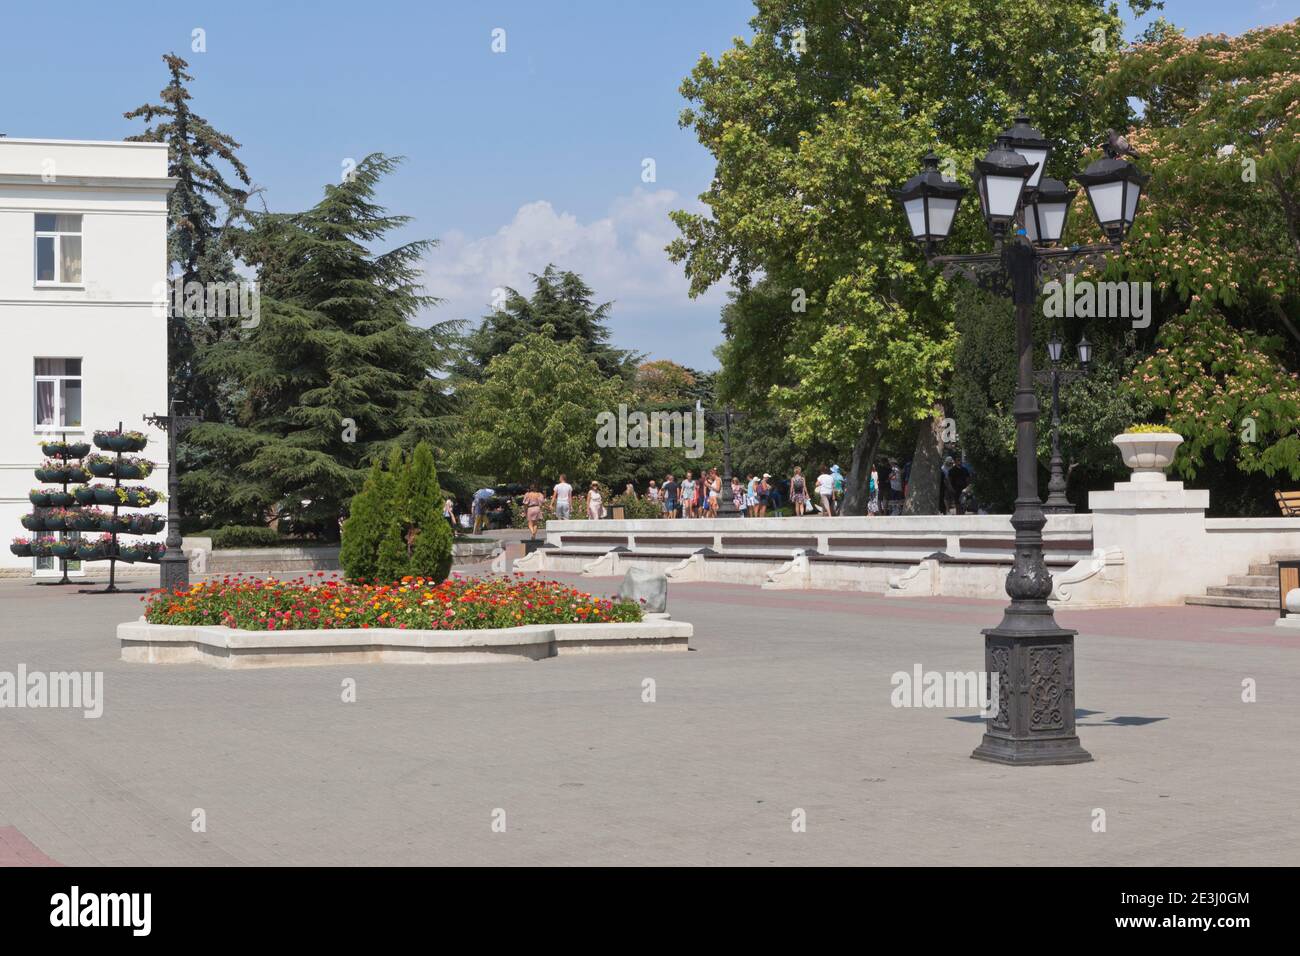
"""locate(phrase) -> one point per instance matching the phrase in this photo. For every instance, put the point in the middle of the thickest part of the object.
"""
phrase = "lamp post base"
(1061, 506)
(174, 571)
(1034, 661)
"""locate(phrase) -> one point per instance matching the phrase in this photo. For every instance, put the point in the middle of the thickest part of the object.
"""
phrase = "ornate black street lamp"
(1032, 655)
(726, 504)
(174, 573)
(1057, 503)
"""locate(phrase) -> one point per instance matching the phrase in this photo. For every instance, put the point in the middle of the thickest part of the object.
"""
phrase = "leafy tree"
(335, 374)
(559, 299)
(1219, 237)
(533, 415)
(200, 211)
(1095, 407)
(812, 123)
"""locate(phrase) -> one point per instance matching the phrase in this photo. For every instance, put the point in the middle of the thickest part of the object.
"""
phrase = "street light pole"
(1025, 212)
(726, 504)
(1057, 502)
(174, 567)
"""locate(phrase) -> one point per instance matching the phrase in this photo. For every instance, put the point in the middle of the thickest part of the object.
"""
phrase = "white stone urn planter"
(1148, 453)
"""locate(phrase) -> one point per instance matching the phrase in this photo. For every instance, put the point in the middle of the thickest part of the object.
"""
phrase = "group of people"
(699, 496)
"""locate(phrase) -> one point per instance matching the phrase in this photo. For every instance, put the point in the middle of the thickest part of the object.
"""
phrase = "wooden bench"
(1288, 503)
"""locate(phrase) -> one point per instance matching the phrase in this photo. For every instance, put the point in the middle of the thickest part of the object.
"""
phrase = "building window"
(58, 249)
(58, 393)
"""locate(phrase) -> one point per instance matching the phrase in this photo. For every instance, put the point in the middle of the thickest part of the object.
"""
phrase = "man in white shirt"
(826, 492)
(562, 499)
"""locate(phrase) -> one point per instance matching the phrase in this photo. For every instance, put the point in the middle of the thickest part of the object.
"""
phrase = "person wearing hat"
(764, 494)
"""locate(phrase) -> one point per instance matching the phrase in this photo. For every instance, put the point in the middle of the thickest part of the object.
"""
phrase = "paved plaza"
(783, 704)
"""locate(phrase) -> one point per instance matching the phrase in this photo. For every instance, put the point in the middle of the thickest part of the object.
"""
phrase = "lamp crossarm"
(988, 271)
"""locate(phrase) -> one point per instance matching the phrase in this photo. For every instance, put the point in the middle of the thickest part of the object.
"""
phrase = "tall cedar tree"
(200, 213)
(335, 375)
(560, 299)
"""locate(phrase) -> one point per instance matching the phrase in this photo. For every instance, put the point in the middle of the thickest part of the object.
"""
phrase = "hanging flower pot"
(134, 468)
(121, 441)
(100, 466)
(41, 547)
(33, 522)
(56, 520)
(88, 519)
(39, 497)
(147, 523)
(139, 496)
(115, 523)
(78, 449)
(64, 549)
(62, 499)
(85, 494)
(22, 547)
(94, 550)
(105, 495)
(54, 449)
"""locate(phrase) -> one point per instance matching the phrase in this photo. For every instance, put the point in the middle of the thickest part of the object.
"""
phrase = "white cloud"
(620, 256)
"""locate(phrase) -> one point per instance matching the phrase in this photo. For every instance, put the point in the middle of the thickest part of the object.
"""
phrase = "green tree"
(560, 299)
(395, 527)
(363, 531)
(420, 499)
(1219, 239)
(812, 122)
(534, 414)
(335, 374)
(201, 209)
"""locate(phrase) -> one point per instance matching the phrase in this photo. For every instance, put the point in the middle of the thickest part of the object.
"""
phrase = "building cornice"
(166, 183)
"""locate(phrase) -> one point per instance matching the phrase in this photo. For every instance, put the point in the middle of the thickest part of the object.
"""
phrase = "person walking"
(449, 514)
(595, 505)
(688, 496)
(715, 492)
(737, 494)
(652, 492)
(837, 487)
(799, 491)
(479, 507)
(533, 510)
(562, 499)
(670, 497)
(826, 493)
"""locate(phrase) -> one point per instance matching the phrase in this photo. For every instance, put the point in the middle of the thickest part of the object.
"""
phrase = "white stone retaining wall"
(229, 648)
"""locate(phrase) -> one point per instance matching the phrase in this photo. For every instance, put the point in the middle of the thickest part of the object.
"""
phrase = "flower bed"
(254, 604)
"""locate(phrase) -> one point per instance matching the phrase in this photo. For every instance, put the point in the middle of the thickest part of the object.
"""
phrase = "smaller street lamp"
(930, 202)
(1057, 502)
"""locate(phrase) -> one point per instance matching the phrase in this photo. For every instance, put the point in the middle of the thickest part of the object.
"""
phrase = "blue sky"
(514, 159)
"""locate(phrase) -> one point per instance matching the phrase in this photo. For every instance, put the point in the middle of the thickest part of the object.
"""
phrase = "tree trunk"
(923, 497)
(857, 484)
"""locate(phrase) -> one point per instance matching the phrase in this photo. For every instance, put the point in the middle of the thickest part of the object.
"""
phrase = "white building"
(83, 256)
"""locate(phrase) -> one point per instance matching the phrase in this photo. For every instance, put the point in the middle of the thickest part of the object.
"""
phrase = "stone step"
(1263, 570)
(1264, 604)
(1277, 556)
(1252, 581)
(1243, 592)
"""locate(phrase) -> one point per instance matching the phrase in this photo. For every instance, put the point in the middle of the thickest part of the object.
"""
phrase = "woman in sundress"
(533, 509)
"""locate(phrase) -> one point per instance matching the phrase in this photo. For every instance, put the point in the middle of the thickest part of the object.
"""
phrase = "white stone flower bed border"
(226, 647)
